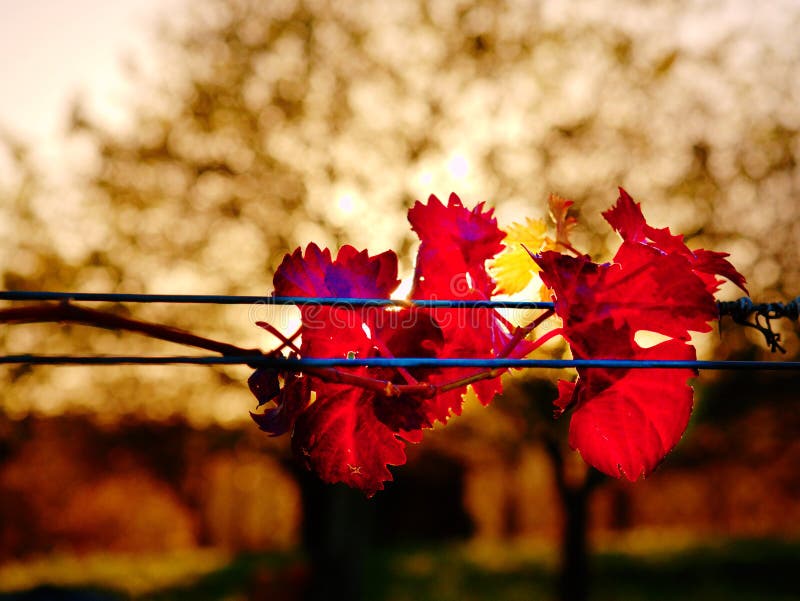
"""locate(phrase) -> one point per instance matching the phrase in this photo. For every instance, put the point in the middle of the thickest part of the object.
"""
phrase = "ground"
(744, 570)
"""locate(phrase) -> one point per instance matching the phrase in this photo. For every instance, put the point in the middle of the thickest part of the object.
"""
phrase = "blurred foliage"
(277, 123)
(69, 485)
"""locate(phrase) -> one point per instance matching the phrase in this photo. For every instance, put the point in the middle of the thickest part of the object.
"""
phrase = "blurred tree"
(273, 124)
(573, 480)
(27, 247)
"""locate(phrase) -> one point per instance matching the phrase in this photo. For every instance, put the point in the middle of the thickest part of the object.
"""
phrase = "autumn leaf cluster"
(349, 424)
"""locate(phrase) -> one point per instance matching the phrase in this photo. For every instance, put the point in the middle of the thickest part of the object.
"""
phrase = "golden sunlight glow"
(403, 291)
(346, 203)
(458, 166)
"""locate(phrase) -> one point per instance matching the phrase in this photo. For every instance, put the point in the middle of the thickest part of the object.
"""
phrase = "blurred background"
(184, 147)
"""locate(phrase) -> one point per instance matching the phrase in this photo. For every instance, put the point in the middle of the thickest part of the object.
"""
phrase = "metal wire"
(292, 364)
(24, 295)
(739, 310)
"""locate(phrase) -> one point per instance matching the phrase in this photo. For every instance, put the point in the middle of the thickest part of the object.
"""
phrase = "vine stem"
(285, 342)
(68, 313)
(516, 338)
(566, 245)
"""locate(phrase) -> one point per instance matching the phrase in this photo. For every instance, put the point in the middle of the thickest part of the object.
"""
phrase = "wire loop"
(741, 309)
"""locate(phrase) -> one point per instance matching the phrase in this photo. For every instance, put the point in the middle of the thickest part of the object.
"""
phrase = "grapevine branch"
(68, 313)
(65, 312)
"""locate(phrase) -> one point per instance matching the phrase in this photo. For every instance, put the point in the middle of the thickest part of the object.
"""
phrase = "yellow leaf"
(559, 208)
(513, 268)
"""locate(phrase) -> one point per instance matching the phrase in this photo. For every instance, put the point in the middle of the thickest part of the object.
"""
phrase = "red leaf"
(625, 426)
(290, 402)
(473, 340)
(337, 430)
(566, 396)
(644, 289)
(264, 384)
(455, 244)
(625, 421)
(336, 331)
(411, 332)
(710, 263)
(627, 219)
(349, 434)
(353, 274)
(341, 439)
(408, 332)
(650, 290)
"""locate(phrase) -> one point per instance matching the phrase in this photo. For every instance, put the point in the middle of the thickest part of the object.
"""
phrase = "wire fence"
(270, 300)
(291, 364)
(740, 311)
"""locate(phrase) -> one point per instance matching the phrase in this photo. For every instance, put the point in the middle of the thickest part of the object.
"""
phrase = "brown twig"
(68, 313)
(285, 342)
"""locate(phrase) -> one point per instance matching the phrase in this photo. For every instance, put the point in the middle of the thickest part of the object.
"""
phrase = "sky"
(61, 49)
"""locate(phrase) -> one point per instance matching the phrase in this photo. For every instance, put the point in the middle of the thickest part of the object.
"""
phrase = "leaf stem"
(517, 337)
(566, 245)
(521, 331)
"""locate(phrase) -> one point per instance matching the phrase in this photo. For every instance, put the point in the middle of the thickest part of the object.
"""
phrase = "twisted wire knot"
(741, 309)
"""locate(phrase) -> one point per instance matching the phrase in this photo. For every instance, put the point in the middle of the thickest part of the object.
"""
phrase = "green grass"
(763, 570)
(737, 570)
(131, 575)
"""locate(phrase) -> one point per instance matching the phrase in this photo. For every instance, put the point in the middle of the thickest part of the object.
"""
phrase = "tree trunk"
(573, 581)
(337, 523)
(573, 577)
